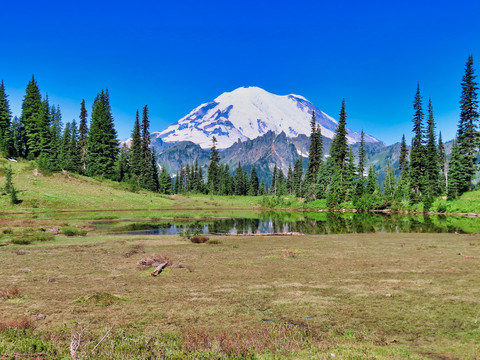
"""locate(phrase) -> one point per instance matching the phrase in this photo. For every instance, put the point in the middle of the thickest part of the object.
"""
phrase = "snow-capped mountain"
(247, 113)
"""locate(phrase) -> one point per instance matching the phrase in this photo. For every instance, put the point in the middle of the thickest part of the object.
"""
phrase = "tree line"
(339, 177)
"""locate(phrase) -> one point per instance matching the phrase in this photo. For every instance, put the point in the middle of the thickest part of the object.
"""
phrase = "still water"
(307, 223)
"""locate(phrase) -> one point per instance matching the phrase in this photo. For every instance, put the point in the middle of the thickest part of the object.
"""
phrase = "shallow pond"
(301, 222)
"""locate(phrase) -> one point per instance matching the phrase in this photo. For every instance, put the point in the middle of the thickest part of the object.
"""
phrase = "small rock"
(38, 316)
(25, 270)
(388, 295)
(54, 231)
(20, 252)
(51, 280)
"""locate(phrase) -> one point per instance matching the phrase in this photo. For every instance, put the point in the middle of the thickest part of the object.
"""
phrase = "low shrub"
(67, 231)
(213, 242)
(199, 239)
(21, 241)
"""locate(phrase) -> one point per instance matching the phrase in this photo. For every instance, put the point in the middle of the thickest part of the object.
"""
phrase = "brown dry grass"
(408, 291)
(21, 323)
(9, 292)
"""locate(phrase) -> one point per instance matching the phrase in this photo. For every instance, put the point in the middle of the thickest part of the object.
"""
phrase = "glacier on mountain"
(247, 113)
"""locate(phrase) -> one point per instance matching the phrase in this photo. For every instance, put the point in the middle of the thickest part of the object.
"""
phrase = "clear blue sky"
(175, 55)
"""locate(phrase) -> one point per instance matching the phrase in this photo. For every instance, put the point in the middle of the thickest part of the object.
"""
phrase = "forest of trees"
(339, 177)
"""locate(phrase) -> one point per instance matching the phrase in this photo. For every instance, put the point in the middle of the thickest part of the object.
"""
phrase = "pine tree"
(261, 188)
(297, 177)
(442, 158)
(102, 145)
(165, 183)
(361, 155)
(83, 135)
(32, 111)
(290, 180)
(6, 136)
(432, 165)
(9, 187)
(136, 150)
(372, 183)
(403, 159)
(389, 184)
(315, 150)
(148, 177)
(417, 152)
(55, 138)
(74, 149)
(65, 152)
(468, 136)
(339, 146)
(239, 186)
(213, 180)
(123, 167)
(456, 174)
(19, 138)
(253, 184)
(273, 187)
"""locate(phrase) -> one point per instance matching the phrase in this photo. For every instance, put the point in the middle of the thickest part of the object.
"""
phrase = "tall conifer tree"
(468, 136)
(32, 112)
(417, 152)
(432, 165)
(6, 135)
(102, 148)
(83, 135)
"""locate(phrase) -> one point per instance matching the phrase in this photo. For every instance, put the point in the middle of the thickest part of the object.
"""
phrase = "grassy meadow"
(357, 296)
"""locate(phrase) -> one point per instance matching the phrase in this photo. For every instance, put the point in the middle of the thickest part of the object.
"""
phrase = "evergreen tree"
(102, 145)
(290, 180)
(468, 137)
(297, 177)
(261, 188)
(336, 191)
(315, 150)
(74, 149)
(55, 138)
(273, 187)
(456, 174)
(432, 165)
(6, 136)
(9, 187)
(32, 112)
(389, 184)
(253, 185)
(213, 181)
(136, 150)
(361, 155)
(83, 135)
(372, 183)
(65, 153)
(148, 178)
(403, 160)
(442, 159)
(417, 152)
(339, 146)
(123, 167)
(19, 138)
(239, 185)
(165, 183)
